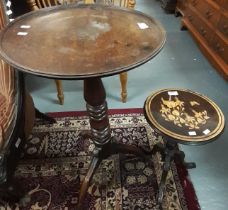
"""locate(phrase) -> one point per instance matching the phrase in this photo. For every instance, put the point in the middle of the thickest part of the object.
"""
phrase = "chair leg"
(60, 91)
(123, 81)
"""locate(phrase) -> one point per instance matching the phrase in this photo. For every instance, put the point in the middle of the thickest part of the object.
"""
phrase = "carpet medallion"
(56, 158)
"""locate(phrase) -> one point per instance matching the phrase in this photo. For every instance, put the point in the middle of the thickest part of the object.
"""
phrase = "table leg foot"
(188, 165)
(43, 116)
(86, 182)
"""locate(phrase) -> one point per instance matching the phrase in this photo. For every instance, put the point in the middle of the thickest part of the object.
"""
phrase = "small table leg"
(105, 145)
(166, 168)
(168, 152)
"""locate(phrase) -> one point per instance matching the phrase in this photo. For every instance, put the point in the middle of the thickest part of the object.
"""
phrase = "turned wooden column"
(94, 94)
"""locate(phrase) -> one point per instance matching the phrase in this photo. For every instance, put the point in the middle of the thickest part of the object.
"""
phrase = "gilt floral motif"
(174, 111)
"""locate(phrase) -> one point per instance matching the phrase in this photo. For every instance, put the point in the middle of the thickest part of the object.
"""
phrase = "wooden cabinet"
(180, 7)
(223, 25)
(207, 21)
(168, 5)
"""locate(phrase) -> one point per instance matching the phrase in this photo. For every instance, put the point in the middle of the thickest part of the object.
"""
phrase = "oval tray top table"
(184, 116)
(84, 42)
(181, 116)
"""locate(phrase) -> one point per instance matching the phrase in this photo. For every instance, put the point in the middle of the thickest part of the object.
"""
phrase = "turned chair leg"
(60, 91)
(123, 81)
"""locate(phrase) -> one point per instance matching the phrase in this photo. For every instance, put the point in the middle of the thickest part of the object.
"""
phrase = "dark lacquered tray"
(81, 41)
(184, 115)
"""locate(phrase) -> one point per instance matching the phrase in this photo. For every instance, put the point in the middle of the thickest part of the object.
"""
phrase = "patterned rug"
(56, 158)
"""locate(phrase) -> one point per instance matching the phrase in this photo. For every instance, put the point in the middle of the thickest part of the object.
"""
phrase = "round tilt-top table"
(84, 42)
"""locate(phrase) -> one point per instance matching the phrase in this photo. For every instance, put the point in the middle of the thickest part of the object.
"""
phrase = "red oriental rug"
(56, 159)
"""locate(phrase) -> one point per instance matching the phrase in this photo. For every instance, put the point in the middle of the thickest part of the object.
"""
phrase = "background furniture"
(16, 120)
(185, 117)
(180, 7)
(18, 9)
(17, 116)
(168, 5)
(37, 4)
(207, 21)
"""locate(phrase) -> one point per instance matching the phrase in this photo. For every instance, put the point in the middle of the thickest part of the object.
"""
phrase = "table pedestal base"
(94, 94)
(169, 152)
(100, 154)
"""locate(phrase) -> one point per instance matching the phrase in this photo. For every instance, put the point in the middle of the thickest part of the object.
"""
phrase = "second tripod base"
(168, 152)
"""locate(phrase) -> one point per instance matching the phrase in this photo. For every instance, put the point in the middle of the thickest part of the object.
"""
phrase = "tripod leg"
(188, 165)
(129, 149)
(162, 187)
(85, 184)
(166, 167)
(159, 148)
(43, 116)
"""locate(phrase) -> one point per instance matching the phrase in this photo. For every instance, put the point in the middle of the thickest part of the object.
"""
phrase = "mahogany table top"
(81, 41)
